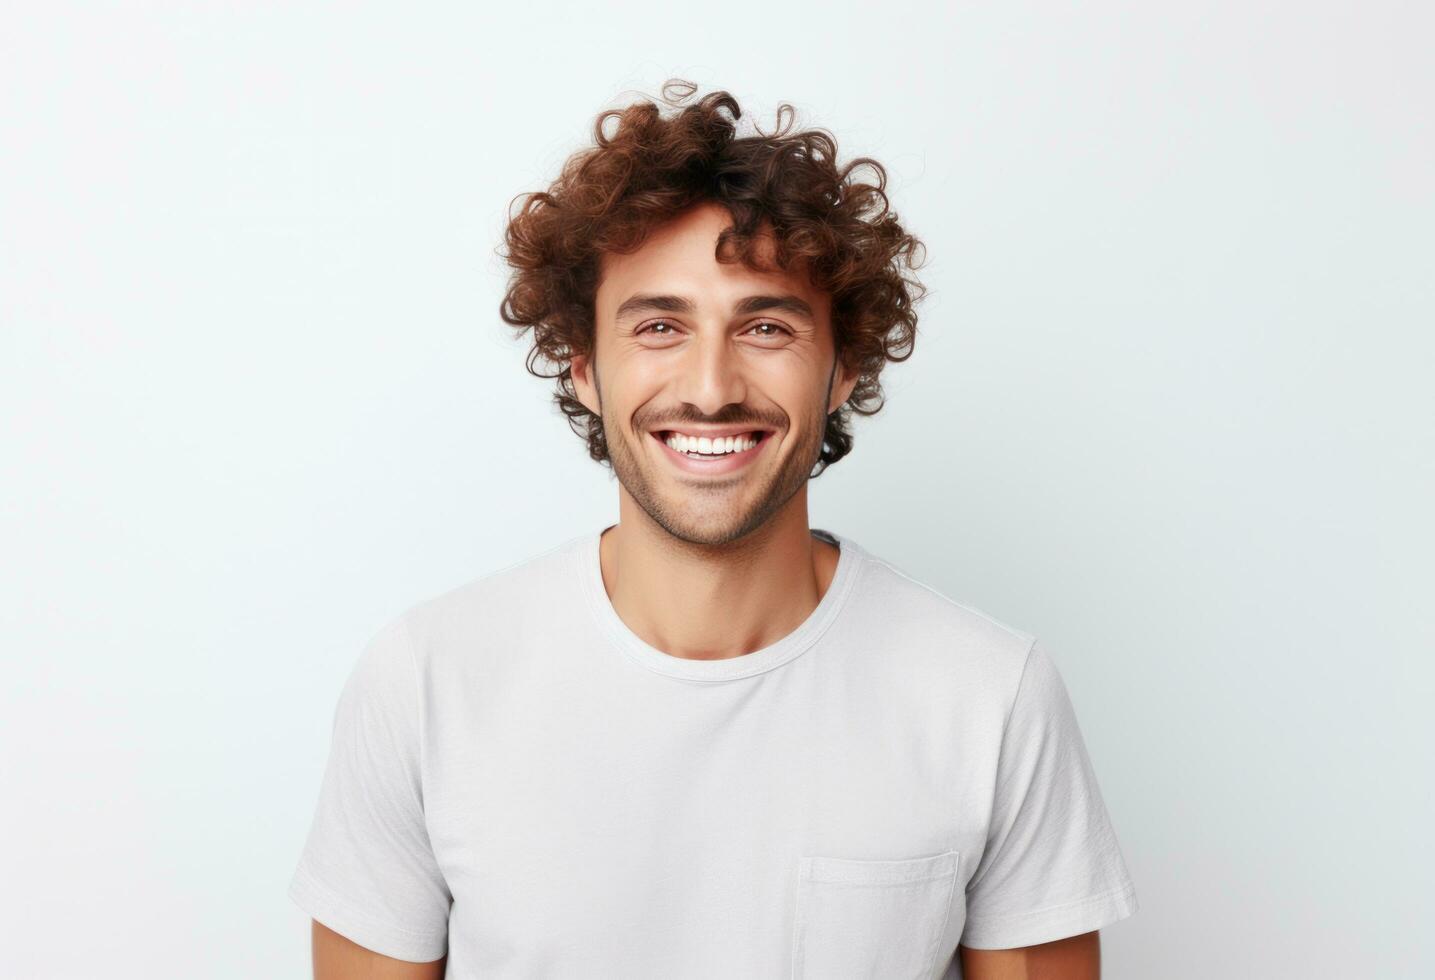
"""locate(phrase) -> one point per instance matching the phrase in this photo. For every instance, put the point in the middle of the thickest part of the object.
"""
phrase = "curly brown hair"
(608, 197)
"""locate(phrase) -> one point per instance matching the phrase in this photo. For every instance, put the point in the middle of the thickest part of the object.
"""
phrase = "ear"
(585, 383)
(844, 381)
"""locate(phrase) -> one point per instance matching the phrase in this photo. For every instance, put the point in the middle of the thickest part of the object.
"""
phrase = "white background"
(1170, 409)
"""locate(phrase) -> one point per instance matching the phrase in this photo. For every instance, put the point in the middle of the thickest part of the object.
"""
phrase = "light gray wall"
(1170, 409)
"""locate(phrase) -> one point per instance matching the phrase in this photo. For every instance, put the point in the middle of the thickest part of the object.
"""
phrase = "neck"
(714, 602)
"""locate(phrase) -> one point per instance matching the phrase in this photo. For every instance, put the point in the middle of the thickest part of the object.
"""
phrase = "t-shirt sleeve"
(1051, 867)
(367, 870)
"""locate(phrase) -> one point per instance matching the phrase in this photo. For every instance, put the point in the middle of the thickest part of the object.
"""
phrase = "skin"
(1073, 958)
(338, 958)
(737, 548)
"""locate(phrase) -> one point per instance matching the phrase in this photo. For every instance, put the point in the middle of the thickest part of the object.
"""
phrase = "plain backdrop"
(1170, 409)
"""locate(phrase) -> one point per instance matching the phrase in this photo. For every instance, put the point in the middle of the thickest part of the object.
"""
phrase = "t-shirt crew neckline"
(776, 654)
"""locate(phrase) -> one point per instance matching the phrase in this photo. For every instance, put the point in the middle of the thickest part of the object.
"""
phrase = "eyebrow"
(652, 303)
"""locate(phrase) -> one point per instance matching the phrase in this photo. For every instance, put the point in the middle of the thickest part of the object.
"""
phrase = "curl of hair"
(652, 166)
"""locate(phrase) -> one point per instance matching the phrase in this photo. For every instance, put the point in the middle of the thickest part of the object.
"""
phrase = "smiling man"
(709, 740)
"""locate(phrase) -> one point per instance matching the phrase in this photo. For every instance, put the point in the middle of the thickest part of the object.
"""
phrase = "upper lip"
(714, 432)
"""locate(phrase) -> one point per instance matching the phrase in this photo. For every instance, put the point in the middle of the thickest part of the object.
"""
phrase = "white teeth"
(711, 447)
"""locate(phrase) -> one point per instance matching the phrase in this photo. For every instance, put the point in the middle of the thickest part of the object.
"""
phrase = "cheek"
(789, 381)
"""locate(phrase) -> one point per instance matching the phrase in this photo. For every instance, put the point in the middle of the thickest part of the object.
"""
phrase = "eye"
(777, 328)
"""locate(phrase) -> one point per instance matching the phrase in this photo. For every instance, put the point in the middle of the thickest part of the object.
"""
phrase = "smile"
(712, 464)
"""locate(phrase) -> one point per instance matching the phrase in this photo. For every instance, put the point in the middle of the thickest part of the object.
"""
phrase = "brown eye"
(777, 328)
(655, 324)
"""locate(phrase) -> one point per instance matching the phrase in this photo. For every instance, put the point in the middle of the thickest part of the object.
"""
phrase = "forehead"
(680, 257)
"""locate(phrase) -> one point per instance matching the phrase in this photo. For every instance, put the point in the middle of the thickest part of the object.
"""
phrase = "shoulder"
(906, 635)
(912, 605)
(485, 609)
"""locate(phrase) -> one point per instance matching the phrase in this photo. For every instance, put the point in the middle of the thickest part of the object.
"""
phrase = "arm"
(339, 958)
(368, 877)
(1051, 873)
(1073, 958)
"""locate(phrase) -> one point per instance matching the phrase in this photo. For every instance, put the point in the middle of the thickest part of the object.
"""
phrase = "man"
(708, 740)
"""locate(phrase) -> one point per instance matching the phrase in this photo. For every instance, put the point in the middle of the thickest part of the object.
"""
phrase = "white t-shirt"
(518, 780)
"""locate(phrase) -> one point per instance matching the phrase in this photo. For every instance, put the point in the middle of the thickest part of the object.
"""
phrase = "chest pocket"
(875, 920)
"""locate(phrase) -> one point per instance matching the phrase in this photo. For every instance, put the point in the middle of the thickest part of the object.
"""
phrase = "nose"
(711, 375)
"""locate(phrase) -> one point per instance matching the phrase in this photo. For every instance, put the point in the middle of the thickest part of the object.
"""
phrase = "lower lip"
(730, 463)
